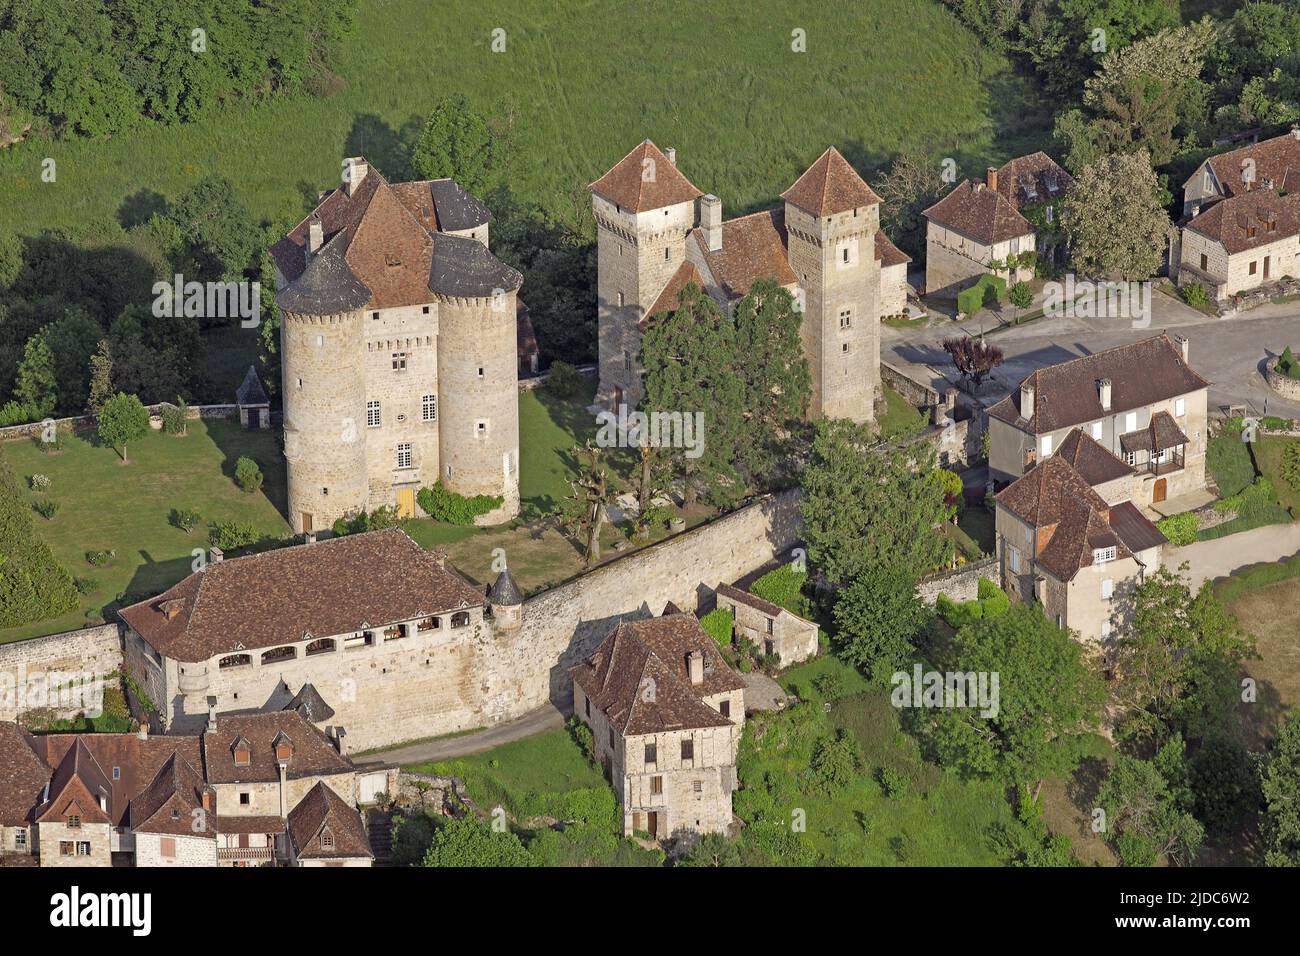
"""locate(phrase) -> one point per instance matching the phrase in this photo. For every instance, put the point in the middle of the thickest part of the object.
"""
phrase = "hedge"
(1179, 529)
(719, 624)
(989, 290)
(784, 586)
(443, 505)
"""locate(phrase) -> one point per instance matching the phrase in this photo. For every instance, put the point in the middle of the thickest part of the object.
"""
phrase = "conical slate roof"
(310, 705)
(505, 592)
(326, 286)
(251, 391)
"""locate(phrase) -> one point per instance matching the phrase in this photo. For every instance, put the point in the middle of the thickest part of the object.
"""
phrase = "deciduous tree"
(1114, 219)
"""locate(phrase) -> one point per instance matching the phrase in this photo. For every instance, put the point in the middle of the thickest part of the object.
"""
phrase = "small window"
(1205, 262)
(374, 315)
(372, 415)
(698, 786)
(1180, 407)
(480, 371)
(429, 408)
(688, 749)
(1096, 431)
(846, 318)
(167, 848)
(404, 455)
(425, 310)
(770, 624)
(845, 254)
(399, 361)
(66, 848)
(117, 773)
(326, 840)
(651, 753)
(1130, 458)
(83, 848)
(668, 252)
(656, 786)
(1013, 559)
(1102, 555)
(460, 619)
(1253, 266)
(620, 299)
(1107, 588)
(74, 822)
(481, 428)
(20, 838)
(245, 798)
(1047, 445)
(243, 757)
(844, 347)
(724, 708)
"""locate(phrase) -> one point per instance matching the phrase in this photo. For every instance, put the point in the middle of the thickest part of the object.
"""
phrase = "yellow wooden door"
(406, 502)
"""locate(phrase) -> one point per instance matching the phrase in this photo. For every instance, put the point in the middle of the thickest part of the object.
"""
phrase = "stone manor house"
(656, 233)
(400, 351)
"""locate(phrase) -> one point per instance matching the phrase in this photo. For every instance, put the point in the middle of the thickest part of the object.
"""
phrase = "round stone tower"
(478, 373)
(322, 353)
(506, 601)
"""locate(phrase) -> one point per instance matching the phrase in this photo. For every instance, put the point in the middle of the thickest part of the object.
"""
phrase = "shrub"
(84, 585)
(33, 586)
(565, 381)
(1287, 364)
(582, 736)
(443, 505)
(784, 587)
(1291, 465)
(39, 482)
(1275, 424)
(1179, 529)
(830, 685)
(46, 508)
(384, 517)
(248, 475)
(175, 417)
(719, 624)
(187, 519)
(746, 665)
(892, 783)
(989, 290)
(834, 763)
(17, 413)
(100, 558)
(994, 600)
(228, 535)
(1194, 294)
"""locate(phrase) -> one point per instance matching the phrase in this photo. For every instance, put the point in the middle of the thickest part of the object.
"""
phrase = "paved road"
(1227, 352)
(1218, 558)
(448, 748)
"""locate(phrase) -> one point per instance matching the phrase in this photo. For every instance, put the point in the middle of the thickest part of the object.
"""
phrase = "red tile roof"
(323, 817)
(1243, 222)
(829, 186)
(1275, 160)
(23, 775)
(667, 300)
(173, 802)
(1094, 462)
(312, 753)
(1035, 178)
(337, 586)
(983, 214)
(753, 248)
(645, 179)
(888, 253)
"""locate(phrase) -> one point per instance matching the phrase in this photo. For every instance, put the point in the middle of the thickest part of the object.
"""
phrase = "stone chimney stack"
(284, 789)
(1027, 399)
(1182, 343)
(315, 236)
(354, 170)
(671, 153)
(1103, 392)
(992, 178)
(695, 667)
(215, 555)
(340, 741)
(209, 800)
(711, 221)
(212, 715)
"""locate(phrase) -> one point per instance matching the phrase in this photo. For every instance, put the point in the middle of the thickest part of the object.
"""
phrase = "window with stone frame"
(651, 754)
(373, 418)
(399, 361)
(688, 749)
(429, 408)
(404, 455)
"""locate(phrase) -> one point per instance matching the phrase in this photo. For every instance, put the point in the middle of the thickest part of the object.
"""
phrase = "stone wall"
(79, 422)
(96, 650)
(961, 584)
(1284, 385)
(916, 393)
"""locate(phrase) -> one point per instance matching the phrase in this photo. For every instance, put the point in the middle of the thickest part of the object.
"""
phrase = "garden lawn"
(1268, 453)
(106, 505)
(746, 119)
(902, 419)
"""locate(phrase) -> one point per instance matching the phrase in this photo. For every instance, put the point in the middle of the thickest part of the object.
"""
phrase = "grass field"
(104, 504)
(578, 85)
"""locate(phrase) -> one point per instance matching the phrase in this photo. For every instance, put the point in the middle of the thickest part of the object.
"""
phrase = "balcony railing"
(245, 853)
(1173, 461)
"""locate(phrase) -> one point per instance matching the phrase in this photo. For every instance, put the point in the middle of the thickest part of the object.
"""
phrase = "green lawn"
(735, 102)
(1268, 453)
(902, 419)
(105, 504)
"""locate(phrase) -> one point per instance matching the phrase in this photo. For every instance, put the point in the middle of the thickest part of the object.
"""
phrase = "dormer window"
(243, 753)
(326, 839)
(1102, 555)
(74, 821)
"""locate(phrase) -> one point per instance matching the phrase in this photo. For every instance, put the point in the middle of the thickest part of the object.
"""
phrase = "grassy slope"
(107, 505)
(718, 81)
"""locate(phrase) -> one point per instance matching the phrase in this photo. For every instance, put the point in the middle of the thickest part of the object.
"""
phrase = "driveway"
(447, 748)
(1208, 560)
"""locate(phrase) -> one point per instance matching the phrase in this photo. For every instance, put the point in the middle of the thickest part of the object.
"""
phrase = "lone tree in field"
(1114, 219)
(585, 512)
(123, 420)
(974, 358)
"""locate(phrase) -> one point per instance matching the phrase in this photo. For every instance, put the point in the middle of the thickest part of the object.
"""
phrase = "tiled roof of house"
(888, 253)
(645, 179)
(829, 186)
(638, 676)
(1035, 178)
(384, 242)
(312, 753)
(249, 824)
(1081, 532)
(337, 586)
(668, 298)
(750, 600)
(23, 775)
(1275, 160)
(1160, 434)
(93, 759)
(1245, 221)
(324, 826)
(169, 804)
(983, 214)
(1096, 463)
(1041, 496)
(1134, 529)
(1066, 394)
(753, 248)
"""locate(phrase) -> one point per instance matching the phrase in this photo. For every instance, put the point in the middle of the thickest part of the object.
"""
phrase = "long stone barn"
(396, 640)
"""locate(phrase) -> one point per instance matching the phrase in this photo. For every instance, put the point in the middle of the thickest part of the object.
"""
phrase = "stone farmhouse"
(400, 347)
(251, 790)
(1069, 538)
(383, 629)
(769, 626)
(656, 233)
(666, 713)
(1141, 402)
(979, 223)
(1241, 218)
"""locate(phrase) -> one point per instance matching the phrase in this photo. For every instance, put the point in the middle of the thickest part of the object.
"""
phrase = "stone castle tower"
(656, 232)
(398, 350)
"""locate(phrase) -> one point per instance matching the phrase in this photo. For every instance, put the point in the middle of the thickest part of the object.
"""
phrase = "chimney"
(215, 555)
(1027, 399)
(284, 789)
(992, 178)
(209, 801)
(711, 222)
(315, 236)
(309, 537)
(1181, 342)
(695, 666)
(1103, 392)
(103, 802)
(671, 153)
(212, 715)
(354, 170)
(143, 732)
(340, 741)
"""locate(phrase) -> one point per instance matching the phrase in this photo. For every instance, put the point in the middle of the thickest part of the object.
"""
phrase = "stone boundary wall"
(78, 422)
(534, 382)
(1284, 385)
(918, 393)
(95, 649)
(1262, 295)
(961, 584)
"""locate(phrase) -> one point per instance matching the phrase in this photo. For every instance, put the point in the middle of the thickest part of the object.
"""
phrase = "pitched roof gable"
(1093, 461)
(830, 185)
(23, 775)
(645, 179)
(324, 826)
(754, 247)
(1249, 220)
(1276, 160)
(983, 214)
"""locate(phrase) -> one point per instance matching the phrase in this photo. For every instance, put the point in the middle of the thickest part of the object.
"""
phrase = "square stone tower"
(832, 217)
(644, 208)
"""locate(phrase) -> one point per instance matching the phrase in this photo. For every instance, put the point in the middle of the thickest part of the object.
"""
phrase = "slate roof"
(169, 803)
(629, 183)
(333, 587)
(1276, 159)
(1066, 394)
(310, 705)
(983, 214)
(638, 676)
(1035, 178)
(23, 775)
(505, 592)
(383, 248)
(250, 391)
(1094, 462)
(829, 186)
(322, 811)
(1242, 222)
(753, 248)
(313, 754)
